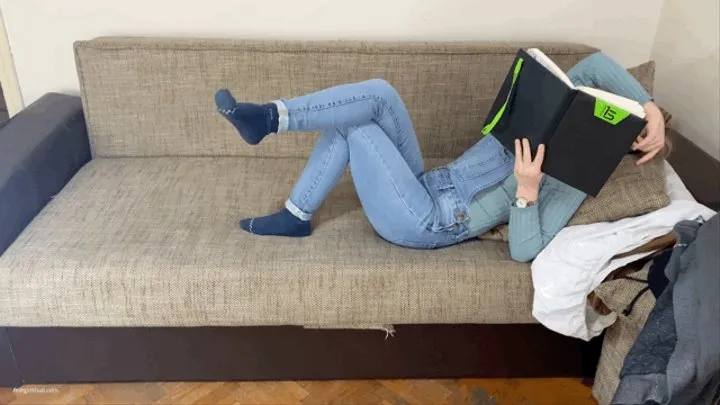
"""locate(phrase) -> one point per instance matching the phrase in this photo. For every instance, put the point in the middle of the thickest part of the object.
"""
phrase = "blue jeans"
(367, 126)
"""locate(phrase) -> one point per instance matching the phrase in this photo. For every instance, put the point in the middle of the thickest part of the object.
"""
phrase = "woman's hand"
(654, 140)
(528, 172)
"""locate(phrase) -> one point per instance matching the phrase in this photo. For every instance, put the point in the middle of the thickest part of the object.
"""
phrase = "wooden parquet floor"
(557, 391)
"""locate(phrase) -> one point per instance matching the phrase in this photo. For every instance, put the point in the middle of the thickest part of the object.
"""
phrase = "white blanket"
(579, 258)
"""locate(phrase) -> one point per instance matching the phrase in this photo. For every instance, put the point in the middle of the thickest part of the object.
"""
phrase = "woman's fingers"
(656, 144)
(655, 133)
(523, 154)
(527, 152)
(539, 156)
(655, 138)
(639, 139)
(649, 140)
(649, 155)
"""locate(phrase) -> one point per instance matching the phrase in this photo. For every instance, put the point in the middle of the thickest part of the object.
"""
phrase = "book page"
(544, 60)
(632, 106)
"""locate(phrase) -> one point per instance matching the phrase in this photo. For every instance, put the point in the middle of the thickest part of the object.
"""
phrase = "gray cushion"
(645, 74)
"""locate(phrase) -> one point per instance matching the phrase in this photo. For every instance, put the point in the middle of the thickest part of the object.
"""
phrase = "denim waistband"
(451, 212)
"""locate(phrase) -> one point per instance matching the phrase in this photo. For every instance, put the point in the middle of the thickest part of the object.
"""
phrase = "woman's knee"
(383, 89)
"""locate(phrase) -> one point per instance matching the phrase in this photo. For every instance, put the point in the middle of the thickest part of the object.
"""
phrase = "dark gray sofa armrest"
(697, 169)
(41, 149)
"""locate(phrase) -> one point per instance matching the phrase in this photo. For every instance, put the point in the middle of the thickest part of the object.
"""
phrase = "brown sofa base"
(9, 373)
(73, 355)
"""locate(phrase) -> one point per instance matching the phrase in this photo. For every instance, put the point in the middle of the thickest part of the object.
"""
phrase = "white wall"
(688, 65)
(41, 32)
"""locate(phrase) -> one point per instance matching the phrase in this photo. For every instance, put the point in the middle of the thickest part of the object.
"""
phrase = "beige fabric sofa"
(619, 338)
(146, 233)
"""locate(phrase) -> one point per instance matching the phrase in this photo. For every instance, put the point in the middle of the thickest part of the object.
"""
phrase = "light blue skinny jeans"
(367, 126)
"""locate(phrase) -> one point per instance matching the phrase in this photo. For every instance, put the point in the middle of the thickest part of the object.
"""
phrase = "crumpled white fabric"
(579, 258)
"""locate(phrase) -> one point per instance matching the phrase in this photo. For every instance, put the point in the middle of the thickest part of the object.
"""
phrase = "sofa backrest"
(154, 96)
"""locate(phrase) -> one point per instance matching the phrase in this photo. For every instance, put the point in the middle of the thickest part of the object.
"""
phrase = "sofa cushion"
(621, 294)
(154, 96)
(645, 74)
(155, 241)
(618, 340)
(631, 190)
(617, 295)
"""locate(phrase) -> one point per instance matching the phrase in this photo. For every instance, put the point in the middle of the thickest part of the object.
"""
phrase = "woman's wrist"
(527, 193)
(651, 109)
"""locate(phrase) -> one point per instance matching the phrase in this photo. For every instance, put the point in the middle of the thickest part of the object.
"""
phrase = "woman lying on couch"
(367, 126)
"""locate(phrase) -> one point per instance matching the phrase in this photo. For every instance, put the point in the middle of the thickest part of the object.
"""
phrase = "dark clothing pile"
(676, 358)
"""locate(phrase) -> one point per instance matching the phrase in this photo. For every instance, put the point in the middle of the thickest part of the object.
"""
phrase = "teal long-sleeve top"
(532, 228)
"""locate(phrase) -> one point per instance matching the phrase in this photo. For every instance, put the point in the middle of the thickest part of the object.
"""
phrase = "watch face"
(521, 203)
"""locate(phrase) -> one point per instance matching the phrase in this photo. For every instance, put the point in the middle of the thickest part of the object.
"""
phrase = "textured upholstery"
(617, 295)
(41, 148)
(645, 74)
(146, 233)
(155, 241)
(152, 97)
(619, 338)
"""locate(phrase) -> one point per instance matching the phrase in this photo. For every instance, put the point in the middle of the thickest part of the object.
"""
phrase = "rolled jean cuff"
(283, 119)
(297, 211)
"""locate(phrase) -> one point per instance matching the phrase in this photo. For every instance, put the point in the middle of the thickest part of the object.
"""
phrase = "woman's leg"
(395, 201)
(338, 107)
(599, 71)
(356, 104)
(332, 111)
(324, 169)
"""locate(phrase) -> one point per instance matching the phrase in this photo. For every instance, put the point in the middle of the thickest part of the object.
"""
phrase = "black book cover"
(535, 105)
(583, 148)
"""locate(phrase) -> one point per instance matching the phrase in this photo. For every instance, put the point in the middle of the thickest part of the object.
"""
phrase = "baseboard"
(75, 355)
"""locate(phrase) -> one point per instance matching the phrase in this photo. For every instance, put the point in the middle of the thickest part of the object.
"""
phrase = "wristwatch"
(523, 203)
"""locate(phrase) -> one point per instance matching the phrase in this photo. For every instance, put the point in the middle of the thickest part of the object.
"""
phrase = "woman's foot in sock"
(282, 223)
(253, 121)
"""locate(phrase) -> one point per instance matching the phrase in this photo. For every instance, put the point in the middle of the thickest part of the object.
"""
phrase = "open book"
(626, 104)
(586, 131)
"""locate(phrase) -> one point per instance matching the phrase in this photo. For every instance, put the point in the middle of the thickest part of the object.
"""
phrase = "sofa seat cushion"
(155, 242)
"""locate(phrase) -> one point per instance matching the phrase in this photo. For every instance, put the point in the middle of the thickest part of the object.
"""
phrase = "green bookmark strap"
(489, 127)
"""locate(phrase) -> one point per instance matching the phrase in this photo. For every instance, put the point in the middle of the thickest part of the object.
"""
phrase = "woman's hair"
(667, 149)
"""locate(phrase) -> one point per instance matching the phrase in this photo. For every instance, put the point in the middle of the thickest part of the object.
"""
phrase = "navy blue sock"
(281, 223)
(253, 121)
